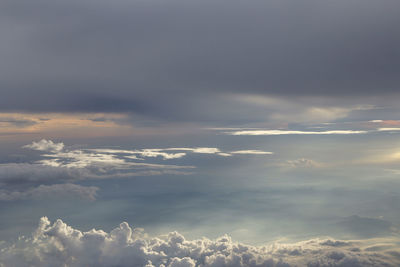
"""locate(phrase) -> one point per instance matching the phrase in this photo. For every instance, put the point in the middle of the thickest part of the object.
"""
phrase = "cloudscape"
(188, 133)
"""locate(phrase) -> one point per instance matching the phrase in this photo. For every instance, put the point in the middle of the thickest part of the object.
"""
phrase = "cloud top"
(59, 244)
(46, 145)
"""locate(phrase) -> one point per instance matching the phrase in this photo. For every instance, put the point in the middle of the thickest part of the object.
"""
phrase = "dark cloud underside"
(141, 56)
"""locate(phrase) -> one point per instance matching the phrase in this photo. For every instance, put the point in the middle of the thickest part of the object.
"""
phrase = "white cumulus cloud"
(46, 145)
(58, 244)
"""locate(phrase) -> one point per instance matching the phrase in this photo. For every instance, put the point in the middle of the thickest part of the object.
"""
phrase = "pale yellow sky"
(62, 125)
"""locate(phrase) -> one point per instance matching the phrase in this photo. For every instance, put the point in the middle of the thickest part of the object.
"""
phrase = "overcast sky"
(269, 121)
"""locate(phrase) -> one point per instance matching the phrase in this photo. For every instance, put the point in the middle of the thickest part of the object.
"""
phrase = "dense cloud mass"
(167, 60)
(61, 245)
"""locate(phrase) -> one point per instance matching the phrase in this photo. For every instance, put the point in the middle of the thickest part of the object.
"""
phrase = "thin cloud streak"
(388, 129)
(252, 152)
(288, 132)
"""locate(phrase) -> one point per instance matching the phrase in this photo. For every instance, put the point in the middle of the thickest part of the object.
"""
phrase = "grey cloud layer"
(57, 156)
(61, 245)
(170, 60)
(23, 181)
(61, 164)
(55, 190)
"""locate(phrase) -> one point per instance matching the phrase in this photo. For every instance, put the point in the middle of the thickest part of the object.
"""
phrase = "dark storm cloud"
(161, 59)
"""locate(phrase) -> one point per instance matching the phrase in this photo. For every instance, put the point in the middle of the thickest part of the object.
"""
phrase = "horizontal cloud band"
(284, 132)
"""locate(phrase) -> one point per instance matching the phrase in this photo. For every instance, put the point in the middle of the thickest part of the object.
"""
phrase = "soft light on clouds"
(252, 152)
(388, 129)
(59, 166)
(102, 159)
(59, 156)
(59, 244)
(273, 116)
(64, 124)
(45, 145)
(290, 132)
(199, 150)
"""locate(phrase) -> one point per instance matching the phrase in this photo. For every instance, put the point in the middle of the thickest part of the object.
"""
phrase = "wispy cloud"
(302, 163)
(252, 152)
(388, 129)
(60, 166)
(128, 161)
(290, 132)
(79, 158)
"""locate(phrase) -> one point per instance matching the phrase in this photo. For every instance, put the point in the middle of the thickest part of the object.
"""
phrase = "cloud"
(65, 125)
(48, 191)
(59, 244)
(199, 150)
(388, 129)
(302, 163)
(18, 174)
(105, 159)
(119, 158)
(44, 179)
(252, 152)
(290, 132)
(144, 153)
(61, 166)
(46, 145)
(21, 181)
(294, 111)
(17, 122)
(258, 58)
(367, 227)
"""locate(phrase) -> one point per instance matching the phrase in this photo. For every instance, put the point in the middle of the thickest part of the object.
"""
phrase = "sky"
(187, 133)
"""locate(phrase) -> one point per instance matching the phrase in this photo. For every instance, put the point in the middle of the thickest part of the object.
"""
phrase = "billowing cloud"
(46, 145)
(59, 244)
